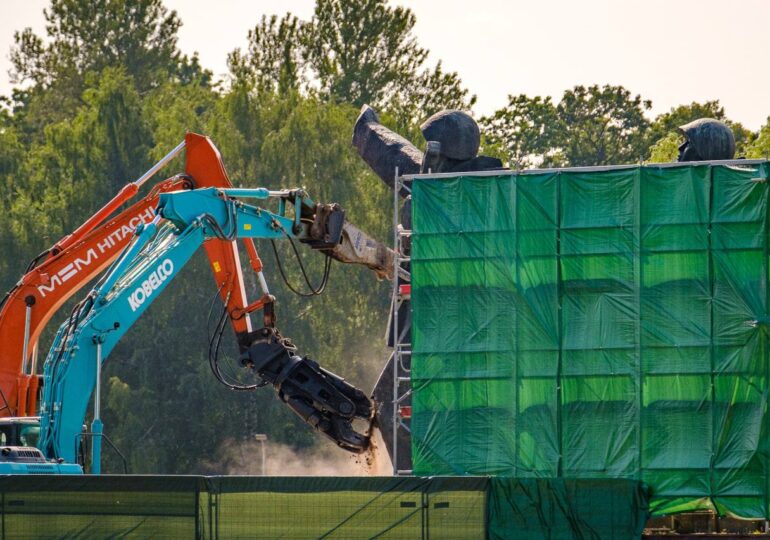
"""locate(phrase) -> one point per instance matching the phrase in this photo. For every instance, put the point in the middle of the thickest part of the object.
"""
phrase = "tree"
(81, 162)
(82, 37)
(118, 126)
(360, 50)
(670, 121)
(311, 148)
(81, 40)
(527, 130)
(666, 149)
(590, 126)
(274, 58)
(418, 97)
(11, 161)
(300, 141)
(355, 52)
(175, 108)
(759, 148)
(11, 155)
(602, 125)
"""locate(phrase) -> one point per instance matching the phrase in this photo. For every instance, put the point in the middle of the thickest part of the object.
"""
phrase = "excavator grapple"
(321, 398)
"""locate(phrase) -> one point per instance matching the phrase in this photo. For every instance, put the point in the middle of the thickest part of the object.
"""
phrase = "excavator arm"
(185, 221)
(62, 270)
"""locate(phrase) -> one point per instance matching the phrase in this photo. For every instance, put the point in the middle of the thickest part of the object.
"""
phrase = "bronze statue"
(706, 139)
(452, 137)
(384, 150)
(453, 140)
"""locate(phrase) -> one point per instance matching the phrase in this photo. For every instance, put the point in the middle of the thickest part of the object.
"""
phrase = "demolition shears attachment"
(321, 398)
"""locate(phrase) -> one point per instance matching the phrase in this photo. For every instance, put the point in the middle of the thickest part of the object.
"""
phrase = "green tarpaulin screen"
(606, 323)
(558, 509)
(318, 507)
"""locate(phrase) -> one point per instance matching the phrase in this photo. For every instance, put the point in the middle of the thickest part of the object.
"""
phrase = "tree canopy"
(589, 126)
(350, 52)
(83, 37)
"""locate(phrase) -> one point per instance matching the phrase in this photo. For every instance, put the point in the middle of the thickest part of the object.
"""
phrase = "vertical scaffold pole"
(394, 322)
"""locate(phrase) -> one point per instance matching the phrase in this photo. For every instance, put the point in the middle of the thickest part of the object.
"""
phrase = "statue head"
(457, 133)
(706, 139)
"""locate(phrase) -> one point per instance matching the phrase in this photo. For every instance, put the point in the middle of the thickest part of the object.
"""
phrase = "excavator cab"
(19, 453)
(19, 431)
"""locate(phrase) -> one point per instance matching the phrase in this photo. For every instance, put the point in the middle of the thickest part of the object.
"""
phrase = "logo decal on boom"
(149, 285)
(118, 237)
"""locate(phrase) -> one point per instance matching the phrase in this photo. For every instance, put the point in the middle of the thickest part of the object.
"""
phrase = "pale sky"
(669, 51)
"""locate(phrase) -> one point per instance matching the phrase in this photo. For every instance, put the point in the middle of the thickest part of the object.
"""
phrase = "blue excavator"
(322, 227)
(184, 221)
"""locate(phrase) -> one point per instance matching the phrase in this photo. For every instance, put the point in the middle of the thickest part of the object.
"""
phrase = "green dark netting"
(334, 507)
(273, 507)
(99, 507)
(242, 507)
(559, 509)
(596, 324)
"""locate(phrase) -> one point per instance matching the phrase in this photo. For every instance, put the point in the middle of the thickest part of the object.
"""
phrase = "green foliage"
(50, 185)
(87, 37)
(760, 146)
(122, 111)
(424, 94)
(160, 374)
(666, 149)
(174, 109)
(590, 126)
(114, 119)
(595, 126)
(312, 149)
(603, 125)
(106, 93)
(743, 137)
(273, 61)
(11, 160)
(354, 52)
(360, 50)
(82, 40)
(526, 130)
(81, 162)
(684, 114)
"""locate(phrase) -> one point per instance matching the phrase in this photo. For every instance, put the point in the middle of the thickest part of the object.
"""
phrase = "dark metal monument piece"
(706, 139)
(452, 145)
(384, 150)
(452, 137)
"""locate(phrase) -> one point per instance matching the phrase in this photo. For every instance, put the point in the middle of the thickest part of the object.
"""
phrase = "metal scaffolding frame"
(402, 346)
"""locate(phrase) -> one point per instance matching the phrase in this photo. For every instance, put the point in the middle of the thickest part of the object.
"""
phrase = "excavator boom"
(320, 397)
(59, 272)
(185, 221)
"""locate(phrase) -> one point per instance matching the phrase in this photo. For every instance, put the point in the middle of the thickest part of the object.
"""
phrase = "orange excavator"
(58, 273)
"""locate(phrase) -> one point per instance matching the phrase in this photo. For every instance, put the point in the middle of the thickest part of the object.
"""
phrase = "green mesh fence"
(318, 507)
(339, 507)
(596, 324)
(100, 507)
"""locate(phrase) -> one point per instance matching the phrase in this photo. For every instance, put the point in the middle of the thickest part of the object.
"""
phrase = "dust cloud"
(324, 459)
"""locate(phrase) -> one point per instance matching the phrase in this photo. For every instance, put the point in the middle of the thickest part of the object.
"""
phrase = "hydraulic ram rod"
(159, 165)
(127, 192)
